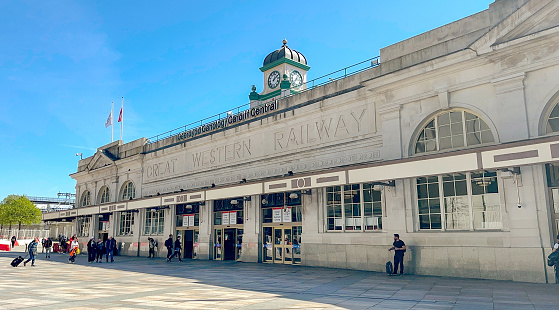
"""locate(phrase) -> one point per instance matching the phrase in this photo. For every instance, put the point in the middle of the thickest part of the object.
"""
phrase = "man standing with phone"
(399, 248)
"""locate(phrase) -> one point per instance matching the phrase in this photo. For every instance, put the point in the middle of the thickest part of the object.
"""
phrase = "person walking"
(399, 248)
(169, 246)
(32, 251)
(43, 245)
(152, 244)
(91, 250)
(110, 246)
(100, 250)
(556, 262)
(74, 248)
(48, 247)
(178, 248)
(13, 241)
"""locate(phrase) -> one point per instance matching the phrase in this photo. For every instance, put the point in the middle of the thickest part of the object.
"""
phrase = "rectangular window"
(361, 208)
(429, 203)
(126, 227)
(83, 226)
(155, 222)
(469, 200)
(287, 207)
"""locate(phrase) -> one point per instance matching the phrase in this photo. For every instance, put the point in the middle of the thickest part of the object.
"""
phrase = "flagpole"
(122, 118)
(112, 122)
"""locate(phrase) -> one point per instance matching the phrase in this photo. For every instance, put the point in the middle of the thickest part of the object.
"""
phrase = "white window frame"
(86, 195)
(470, 203)
(84, 224)
(362, 206)
(105, 193)
(128, 191)
(157, 222)
(126, 223)
(435, 119)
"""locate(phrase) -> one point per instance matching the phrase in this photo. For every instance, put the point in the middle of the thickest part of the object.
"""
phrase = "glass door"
(268, 245)
(283, 245)
(218, 252)
(555, 210)
(195, 250)
(297, 231)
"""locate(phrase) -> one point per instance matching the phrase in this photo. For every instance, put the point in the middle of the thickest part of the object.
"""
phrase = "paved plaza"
(141, 283)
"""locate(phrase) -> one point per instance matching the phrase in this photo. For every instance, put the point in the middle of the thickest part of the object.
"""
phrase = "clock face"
(296, 78)
(274, 79)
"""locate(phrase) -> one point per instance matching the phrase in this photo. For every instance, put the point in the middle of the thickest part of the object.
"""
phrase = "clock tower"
(285, 73)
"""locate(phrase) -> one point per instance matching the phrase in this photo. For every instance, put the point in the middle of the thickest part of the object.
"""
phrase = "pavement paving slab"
(141, 283)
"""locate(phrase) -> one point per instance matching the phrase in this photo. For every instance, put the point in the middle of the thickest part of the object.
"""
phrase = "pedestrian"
(152, 245)
(169, 246)
(399, 248)
(75, 247)
(13, 241)
(48, 247)
(43, 245)
(110, 246)
(178, 248)
(555, 267)
(63, 245)
(91, 250)
(32, 251)
(100, 250)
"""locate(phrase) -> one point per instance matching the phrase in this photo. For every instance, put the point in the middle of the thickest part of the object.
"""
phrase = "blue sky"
(63, 62)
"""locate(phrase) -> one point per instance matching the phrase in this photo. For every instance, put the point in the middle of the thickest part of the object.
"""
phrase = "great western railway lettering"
(230, 120)
(338, 126)
(161, 168)
(222, 154)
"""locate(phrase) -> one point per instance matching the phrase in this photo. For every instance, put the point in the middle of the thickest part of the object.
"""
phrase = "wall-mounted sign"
(230, 120)
(276, 215)
(233, 217)
(225, 218)
(188, 220)
(287, 215)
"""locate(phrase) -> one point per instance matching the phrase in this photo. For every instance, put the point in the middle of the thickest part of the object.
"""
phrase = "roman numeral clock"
(284, 69)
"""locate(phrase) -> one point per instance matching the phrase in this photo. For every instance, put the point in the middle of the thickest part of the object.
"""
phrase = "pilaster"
(510, 110)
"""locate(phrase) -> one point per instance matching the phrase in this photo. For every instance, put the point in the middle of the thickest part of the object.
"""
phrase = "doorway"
(282, 245)
(103, 236)
(228, 243)
(190, 242)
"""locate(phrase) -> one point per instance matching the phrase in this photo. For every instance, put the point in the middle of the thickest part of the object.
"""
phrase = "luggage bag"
(17, 261)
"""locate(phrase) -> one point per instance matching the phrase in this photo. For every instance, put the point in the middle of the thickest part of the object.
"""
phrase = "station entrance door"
(282, 244)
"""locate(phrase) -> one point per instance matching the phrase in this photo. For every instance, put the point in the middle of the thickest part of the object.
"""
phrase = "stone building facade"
(450, 141)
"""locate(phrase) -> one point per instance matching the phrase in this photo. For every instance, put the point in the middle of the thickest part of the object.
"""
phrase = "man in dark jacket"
(48, 247)
(32, 251)
(91, 250)
(169, 246)
(13, 241)
(399, 248)
(110, 246)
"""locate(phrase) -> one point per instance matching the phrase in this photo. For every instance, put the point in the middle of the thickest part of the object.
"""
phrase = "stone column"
(251, 230)
(205, 242)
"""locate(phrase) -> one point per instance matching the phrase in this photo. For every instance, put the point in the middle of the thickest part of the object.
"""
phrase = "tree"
(16, 209)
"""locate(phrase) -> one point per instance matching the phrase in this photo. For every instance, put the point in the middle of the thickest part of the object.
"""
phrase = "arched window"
(451, 130)
(553, 120)
(104, 195)
(128, 191)
(86, 199)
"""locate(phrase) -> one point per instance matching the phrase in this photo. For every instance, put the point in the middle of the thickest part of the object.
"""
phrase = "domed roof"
(285, 52)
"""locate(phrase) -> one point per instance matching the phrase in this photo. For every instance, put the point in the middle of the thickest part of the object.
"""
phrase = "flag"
(109, 121)
(120, 115)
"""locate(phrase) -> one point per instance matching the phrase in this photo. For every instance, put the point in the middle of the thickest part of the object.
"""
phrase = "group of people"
(96, 250)
(173, 248)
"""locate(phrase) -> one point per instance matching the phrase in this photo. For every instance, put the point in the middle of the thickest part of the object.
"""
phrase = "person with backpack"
(553, 259)
(91, 250)
(74, 248)
(48, 247)
(100, 250)
(110, 246)
(169, 246)
(152, 245)
(399, 248)
(32, 251)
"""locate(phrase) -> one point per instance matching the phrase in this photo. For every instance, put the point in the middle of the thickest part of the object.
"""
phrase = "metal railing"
(309, 85)
(51, 200)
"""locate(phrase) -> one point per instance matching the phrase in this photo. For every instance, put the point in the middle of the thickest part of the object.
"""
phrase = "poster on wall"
(287, 215)
(276, 215)
(191, 220)
(224, 218)
(233, 217)
(106, 225)
(185, 220)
